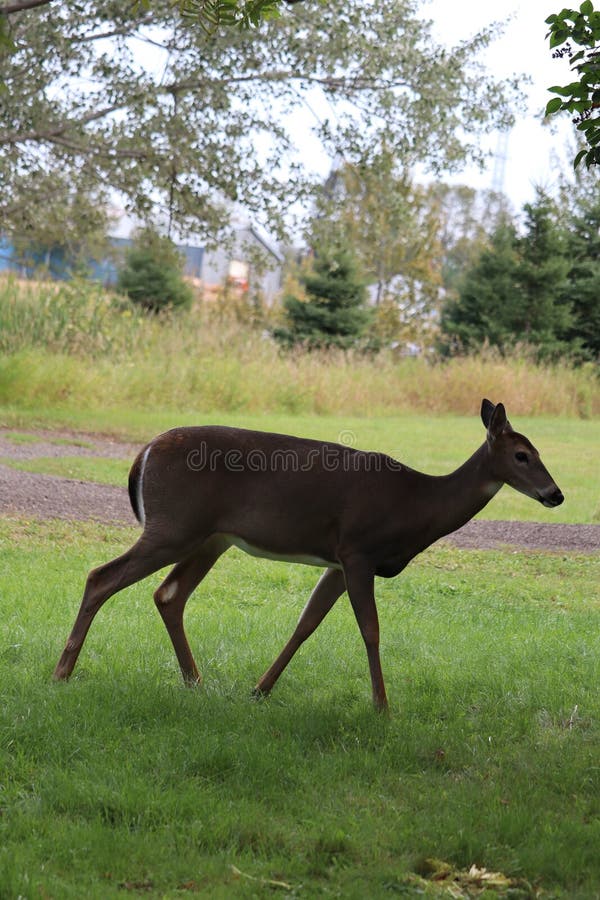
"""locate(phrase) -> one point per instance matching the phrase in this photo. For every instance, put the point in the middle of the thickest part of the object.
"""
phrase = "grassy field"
(81, 468)
(74, 347)
(123, 781)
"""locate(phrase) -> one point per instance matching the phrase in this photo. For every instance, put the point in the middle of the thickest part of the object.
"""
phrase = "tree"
(73, 224)
(132, 100)
(515, 292)
(582, 96)
(152, 275)
(545, 315)
(484, 310)
(392, 223)
(583, 289)
(468, 218)
(332, 312)
(211, 14)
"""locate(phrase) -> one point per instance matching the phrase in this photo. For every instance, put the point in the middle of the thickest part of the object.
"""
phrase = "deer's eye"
(521, 457)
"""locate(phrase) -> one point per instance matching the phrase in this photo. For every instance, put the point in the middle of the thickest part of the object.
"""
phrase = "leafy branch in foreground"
(581, 97)
(211, 14)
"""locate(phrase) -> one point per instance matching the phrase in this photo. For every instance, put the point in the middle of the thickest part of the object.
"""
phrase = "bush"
(152, 275)
(332, 310)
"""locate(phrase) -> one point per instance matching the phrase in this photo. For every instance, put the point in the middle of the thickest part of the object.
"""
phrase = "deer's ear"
(487, 408)
(498, 422)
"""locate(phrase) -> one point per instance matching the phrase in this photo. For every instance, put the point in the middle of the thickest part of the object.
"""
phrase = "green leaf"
(553, 106)
(586, 8)
(580, 106)
(574, 89)
(558, 37)
(578, 158)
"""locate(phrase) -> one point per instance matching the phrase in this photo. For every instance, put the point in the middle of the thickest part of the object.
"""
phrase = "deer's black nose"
(552, 498)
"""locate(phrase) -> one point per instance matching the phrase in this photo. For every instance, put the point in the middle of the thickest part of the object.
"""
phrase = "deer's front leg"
(329, 587)
(360, 584)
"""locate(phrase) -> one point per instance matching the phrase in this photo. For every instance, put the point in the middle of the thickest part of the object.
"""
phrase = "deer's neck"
(463, 493)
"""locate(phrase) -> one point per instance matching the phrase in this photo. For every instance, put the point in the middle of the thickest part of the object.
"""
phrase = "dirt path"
(46, 496)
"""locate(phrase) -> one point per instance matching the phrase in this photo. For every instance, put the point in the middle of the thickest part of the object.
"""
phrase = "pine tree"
(583, 288)
(485, 308)
(544, 315)
(515, 290)
(152, 275)
(333, 313)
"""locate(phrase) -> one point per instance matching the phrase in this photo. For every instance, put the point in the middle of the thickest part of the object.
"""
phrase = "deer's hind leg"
(173, 594)
(136, 563)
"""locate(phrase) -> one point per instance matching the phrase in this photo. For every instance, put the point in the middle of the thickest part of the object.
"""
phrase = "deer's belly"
(303, 558)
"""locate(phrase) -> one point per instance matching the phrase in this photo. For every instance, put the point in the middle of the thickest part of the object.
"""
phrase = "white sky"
(535, 153)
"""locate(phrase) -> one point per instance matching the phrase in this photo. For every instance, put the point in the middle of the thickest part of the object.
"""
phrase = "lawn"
(123, 781)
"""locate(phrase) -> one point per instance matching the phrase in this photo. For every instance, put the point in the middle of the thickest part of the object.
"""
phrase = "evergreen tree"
(583, 288)
(543, 316)
(487, 301)
(333, 312)
(153, 273)
(515, 290)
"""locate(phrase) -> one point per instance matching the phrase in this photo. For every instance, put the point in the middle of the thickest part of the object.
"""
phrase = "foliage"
(582, 96)
(152, 275)
(545, 316)
(332, 312)
(69, 352)
(580, 215)
(74, 221)
(211, 14)
(516, 289)
(481, 312)
(468, 217)
(100, 95)
(393, 225)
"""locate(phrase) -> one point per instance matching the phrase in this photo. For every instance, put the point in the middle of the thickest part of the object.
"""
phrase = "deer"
(197, 491)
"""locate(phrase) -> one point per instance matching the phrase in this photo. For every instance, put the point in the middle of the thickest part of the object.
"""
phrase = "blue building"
(206, 269)
(53, 262)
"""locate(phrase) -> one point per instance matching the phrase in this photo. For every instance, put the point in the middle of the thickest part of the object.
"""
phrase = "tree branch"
(9, 8)
(355, 82)
(50, 133)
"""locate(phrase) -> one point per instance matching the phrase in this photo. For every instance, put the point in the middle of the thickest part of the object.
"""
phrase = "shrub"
(152, 275)
(332, 311)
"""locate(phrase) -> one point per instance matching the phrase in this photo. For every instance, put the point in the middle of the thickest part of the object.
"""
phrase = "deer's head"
(514, 459)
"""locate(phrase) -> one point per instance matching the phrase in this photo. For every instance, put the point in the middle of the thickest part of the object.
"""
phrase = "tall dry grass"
(76, 345)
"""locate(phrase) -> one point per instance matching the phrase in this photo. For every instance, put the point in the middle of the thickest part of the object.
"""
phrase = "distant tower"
(500, 158)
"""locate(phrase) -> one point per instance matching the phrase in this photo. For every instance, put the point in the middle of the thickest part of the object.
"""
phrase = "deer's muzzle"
(551, 497)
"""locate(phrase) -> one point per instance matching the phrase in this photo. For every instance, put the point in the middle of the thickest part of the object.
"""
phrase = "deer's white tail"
(136, 482)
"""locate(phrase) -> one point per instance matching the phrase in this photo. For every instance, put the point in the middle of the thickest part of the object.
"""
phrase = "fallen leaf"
(267, 881)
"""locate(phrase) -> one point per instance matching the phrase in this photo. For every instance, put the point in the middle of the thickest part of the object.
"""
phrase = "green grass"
(432, 444)
(23, 437)
(124, 781)
(82, 468)
(18, 437)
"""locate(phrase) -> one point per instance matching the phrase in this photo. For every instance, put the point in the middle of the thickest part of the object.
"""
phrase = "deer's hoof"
(259, 693)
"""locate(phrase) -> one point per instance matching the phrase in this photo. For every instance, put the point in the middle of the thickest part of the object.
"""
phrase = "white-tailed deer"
(199, 491)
